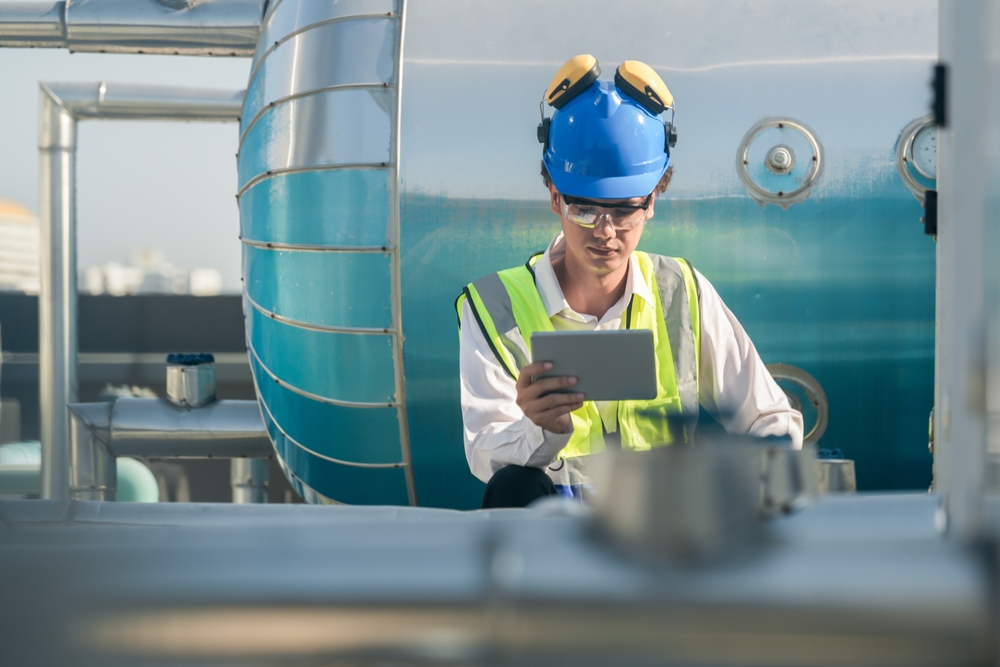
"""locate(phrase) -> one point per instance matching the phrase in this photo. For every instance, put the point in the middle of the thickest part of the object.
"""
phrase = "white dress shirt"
(734, 385)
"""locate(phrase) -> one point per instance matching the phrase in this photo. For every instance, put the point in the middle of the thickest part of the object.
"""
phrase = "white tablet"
(609, 365)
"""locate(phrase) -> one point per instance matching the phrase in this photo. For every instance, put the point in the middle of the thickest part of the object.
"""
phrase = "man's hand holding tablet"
(544, 400)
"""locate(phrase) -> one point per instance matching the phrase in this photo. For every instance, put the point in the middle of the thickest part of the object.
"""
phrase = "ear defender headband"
(637, 80)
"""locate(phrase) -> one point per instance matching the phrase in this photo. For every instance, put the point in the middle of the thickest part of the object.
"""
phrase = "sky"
(160, 185)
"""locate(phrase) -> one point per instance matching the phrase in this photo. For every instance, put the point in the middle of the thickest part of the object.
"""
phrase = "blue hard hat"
(605, 145)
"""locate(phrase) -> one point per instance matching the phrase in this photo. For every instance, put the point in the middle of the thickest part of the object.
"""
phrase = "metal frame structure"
(62, 106)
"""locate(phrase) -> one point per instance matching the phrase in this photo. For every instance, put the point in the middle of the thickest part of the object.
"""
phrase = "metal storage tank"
(388, 157)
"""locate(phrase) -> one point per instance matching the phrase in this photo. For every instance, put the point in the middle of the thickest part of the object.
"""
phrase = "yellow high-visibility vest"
(508, 309)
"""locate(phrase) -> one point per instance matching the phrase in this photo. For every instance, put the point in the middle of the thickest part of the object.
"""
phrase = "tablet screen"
(609, 365)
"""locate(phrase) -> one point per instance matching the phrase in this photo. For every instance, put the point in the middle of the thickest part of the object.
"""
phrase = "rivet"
(780, 193)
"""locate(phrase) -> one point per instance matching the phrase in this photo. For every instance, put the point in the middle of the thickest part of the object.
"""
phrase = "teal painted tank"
(388, 157)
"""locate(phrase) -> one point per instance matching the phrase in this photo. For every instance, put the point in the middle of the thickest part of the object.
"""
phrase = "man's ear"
(649, 211)
(555, 204)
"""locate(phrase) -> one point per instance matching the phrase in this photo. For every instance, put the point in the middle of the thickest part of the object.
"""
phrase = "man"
(606, 157)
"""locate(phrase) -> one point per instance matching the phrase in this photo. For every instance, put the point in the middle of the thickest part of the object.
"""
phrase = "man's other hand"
(546, 409)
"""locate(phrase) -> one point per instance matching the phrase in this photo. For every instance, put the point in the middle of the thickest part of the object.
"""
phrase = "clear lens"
(622, 219)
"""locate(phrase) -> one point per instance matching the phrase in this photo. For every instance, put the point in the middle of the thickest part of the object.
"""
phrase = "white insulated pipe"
(62, 105)
(174, 27)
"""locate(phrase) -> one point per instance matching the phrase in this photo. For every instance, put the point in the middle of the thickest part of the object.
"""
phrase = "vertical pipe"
(57, 296)
(249, 480)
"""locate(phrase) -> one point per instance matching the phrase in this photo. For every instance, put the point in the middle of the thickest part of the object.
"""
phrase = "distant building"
(18, 248)
(150, 273)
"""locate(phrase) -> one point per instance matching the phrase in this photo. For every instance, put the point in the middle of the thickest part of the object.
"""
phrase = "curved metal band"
(308, 93)
(317, 397)
(294, 170)
(366, 331)
(317, 24)
(298, 444)
(300, 247)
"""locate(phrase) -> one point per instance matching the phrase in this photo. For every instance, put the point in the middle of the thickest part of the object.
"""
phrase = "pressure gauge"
(916, 156)
(923, 151)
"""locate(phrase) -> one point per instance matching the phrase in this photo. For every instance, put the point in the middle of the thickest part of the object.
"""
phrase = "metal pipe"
(157, 428)
(173, 27)
(249, 480)
(57, 293)
(93, 472)
(190, 379)
(129, 101)
(62, 104)
(33, 24)
(19, 478)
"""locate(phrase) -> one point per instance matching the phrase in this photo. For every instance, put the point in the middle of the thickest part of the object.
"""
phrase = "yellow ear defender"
(637, 80)
(641, 82)
(574, 77)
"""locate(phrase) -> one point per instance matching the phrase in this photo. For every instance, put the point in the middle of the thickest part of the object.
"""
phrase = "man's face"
(603, 249)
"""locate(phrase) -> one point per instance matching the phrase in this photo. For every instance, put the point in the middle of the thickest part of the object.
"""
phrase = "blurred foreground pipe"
(173, 27)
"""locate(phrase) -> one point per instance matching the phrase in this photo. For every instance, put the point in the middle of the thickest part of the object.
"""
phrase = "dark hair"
(660, 188)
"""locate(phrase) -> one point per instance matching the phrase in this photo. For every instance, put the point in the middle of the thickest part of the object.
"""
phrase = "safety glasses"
(587, 213)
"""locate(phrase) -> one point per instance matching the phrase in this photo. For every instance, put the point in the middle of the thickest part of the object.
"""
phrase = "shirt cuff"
(545, 445)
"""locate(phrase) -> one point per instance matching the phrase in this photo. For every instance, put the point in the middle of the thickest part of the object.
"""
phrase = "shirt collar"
(551, 292)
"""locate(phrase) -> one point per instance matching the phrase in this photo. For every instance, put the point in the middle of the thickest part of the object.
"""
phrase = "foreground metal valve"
(694, 504)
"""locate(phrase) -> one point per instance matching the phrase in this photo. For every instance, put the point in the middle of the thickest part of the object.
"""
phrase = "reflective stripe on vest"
(508, 309)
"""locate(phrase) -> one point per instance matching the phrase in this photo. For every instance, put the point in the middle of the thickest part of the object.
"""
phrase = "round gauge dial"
(923, 152)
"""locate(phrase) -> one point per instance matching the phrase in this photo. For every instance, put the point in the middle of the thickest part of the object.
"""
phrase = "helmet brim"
(606, 187)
